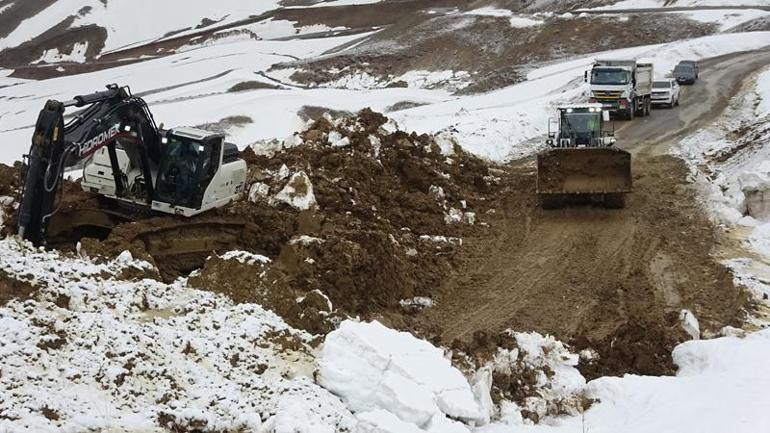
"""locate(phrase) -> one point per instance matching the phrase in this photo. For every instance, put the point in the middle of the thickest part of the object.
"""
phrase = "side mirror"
(606, 116)
(585, 76)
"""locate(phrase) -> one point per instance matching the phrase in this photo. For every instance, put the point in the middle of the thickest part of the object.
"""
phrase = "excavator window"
(187, 167)
(178, 170)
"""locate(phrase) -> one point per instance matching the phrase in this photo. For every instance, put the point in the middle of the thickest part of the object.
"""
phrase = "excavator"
(581, 163)
(135, 168)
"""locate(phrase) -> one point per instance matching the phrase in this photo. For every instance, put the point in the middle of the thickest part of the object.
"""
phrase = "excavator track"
(176, 244)
(179, 246)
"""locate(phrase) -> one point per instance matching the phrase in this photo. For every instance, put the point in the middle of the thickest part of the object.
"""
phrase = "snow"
(78, 55)
(107, 353)
(726, 19)
(190, 88)
(373, 368)
(297, 193)
(331, 3)
(690, 323)
(721, 386)
(655, 4)
(518, 21)
(276, 29)
(156, 18)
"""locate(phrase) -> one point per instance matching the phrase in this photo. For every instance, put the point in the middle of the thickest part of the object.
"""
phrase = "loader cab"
(189, 160)
(581, 126)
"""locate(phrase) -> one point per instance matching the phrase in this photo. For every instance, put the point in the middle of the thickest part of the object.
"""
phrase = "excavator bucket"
(594, 171)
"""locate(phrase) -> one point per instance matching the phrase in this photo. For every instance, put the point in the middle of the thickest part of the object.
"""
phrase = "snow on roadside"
(721, 386)
(511, 122)
(92, 351)
(730, 161)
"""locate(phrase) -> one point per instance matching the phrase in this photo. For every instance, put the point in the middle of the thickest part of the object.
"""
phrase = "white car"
(665, 92)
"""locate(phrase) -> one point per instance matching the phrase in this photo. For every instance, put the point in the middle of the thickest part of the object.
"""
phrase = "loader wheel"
(551, 201)
(614, 201)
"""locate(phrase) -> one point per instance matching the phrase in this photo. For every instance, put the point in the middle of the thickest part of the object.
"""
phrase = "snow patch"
(373, 368)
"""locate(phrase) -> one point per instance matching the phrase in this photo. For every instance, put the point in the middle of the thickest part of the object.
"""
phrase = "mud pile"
(371, 216)
(354, 215)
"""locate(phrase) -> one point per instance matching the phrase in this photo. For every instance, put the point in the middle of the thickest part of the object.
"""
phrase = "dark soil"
(11, 288)
(495, 53)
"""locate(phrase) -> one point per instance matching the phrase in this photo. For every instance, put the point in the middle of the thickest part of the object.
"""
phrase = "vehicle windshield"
(179, 166)
(684, 69)
(581, 124)
(609, 76)
(661, 85)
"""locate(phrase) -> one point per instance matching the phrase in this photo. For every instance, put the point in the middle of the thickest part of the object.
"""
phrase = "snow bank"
(92, 352)
(374, 369)
(721, 386)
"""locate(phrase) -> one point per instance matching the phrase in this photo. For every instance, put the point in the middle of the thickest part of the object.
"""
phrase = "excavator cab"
(581, 163)
(197, 171)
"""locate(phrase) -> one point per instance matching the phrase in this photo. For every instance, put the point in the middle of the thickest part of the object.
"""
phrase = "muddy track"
(588, 273)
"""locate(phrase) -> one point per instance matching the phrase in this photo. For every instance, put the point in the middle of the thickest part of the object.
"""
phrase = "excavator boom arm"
(110, 114)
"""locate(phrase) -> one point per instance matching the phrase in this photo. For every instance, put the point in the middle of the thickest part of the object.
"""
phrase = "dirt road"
(605, 276)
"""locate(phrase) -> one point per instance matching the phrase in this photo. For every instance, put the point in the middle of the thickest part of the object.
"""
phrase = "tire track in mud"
(597, 276)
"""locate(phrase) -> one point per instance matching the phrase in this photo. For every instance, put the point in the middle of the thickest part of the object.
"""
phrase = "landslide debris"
(354, 215)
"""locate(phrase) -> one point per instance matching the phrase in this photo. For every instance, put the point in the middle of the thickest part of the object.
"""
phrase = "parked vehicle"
(694, 64)
(665, 92)
(685, 73)
(622, 86)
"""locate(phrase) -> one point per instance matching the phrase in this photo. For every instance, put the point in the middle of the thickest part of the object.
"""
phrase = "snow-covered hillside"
(95, 344)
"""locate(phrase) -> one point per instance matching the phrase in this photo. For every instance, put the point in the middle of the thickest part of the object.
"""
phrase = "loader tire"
(551, 201)
(614, 201)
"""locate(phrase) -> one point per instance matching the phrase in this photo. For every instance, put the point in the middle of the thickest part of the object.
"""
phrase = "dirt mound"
(372, 216)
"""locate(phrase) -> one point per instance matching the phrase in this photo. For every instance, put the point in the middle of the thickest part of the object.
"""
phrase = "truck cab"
(621, 86)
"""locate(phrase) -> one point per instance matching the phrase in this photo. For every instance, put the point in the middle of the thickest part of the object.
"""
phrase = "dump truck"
(621, 86)
(581, 163)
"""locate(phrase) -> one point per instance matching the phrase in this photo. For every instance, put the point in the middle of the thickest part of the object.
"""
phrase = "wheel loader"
(135, 168)
(581, 163)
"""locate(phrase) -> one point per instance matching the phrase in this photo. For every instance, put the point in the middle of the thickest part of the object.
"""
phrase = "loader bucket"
(589, 170)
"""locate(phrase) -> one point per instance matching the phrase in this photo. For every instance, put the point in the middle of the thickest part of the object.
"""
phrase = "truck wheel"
(647, 104)
(614, 201)
(551, 201)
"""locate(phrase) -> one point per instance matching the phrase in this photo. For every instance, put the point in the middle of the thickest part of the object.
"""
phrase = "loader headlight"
(569, 110)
